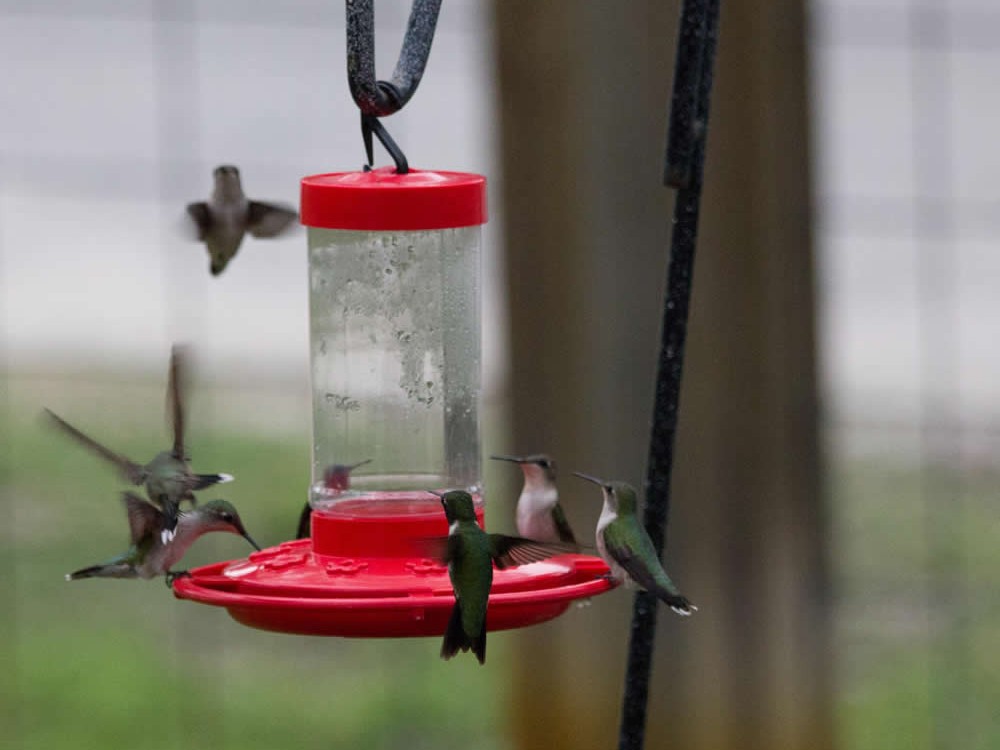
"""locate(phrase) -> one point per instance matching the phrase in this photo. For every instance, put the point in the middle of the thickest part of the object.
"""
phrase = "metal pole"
(686, 142)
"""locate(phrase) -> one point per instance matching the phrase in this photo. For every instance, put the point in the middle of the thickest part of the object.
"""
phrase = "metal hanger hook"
(371, 125)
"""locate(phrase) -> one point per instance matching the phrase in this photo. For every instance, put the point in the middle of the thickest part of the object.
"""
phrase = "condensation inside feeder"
(395, 352)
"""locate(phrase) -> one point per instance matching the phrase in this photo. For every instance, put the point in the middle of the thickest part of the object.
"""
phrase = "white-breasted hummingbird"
(149, 556)
(627, 549)
(336, 479)
(168, 477)
(539, 514)
(228, 215)
(470, 554)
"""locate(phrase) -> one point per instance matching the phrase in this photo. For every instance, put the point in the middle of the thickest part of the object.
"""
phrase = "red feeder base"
(363, 575)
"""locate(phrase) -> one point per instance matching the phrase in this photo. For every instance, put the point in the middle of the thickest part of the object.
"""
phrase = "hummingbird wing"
(627, 542)
(508, 551)
(562, 526)
(175, 402)
(202, 218)
(145, 520)
(131, 471)
(268, 219)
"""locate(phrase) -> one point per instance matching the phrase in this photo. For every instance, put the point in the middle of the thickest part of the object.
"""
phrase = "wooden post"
(583, 96)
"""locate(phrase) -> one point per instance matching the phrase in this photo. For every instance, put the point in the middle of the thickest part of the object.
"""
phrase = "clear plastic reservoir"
(395, 351)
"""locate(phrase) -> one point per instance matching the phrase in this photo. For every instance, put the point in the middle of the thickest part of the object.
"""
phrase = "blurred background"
(835, 498)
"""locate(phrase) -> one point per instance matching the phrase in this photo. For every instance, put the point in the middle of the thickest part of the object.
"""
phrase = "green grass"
(918, 626)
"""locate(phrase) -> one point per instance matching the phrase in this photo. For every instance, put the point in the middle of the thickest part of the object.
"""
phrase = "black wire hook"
(381, 98)
(371, 125)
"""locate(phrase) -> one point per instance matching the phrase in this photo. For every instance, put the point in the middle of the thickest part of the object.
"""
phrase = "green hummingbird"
(168, 477)
(336, 479)
(228, 215)
(539, 514)
(149, 556)
(470, 554)
(627, 549)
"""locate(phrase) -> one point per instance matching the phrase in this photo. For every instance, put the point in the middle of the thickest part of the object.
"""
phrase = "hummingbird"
(336, 479)
(229, 214)
(168, 477)
(149, 556)
(539, 514)
(470, 554)
(627, 549)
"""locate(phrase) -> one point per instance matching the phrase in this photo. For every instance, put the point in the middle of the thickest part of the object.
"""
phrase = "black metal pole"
(685, 162)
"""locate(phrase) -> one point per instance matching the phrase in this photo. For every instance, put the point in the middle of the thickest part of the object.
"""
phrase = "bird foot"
(174, 575)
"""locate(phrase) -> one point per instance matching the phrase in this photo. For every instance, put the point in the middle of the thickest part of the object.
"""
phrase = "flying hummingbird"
(539, 514)
(149, 556)
(470, 554)
(336, 479)
(168, 477)
(627, 549)
(229, 214)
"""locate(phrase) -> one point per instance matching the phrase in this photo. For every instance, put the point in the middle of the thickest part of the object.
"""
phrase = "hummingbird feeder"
(394, 290)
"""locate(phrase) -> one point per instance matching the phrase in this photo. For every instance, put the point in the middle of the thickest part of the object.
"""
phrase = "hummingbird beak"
(512, 459)
(436, 494)
(252, 542)
(352, 467)
(599, 482)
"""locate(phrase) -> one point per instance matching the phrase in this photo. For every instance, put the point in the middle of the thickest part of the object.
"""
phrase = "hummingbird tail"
(305, 520)
(91, 572)
(679, 604)
(455, 638)
(207, 480)
(479, 645)
(106, 570)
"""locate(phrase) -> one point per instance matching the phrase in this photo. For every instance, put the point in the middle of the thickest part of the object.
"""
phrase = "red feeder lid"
(324, 586)
(383, 200)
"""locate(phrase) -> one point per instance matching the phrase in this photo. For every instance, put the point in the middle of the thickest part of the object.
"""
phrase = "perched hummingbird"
(229, 214)
(149, 556)
(168, 477)
(627, 549)
(470, 554)
(539, 514)
(336, 478)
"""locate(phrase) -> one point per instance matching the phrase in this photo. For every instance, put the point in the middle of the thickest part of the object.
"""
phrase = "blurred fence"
(908, 225)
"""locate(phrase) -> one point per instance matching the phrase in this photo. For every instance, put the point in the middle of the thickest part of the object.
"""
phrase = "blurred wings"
(131, 471)
(144, 518)
(201, 217)
(508, 551)
(268, 219)
(175, 401)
